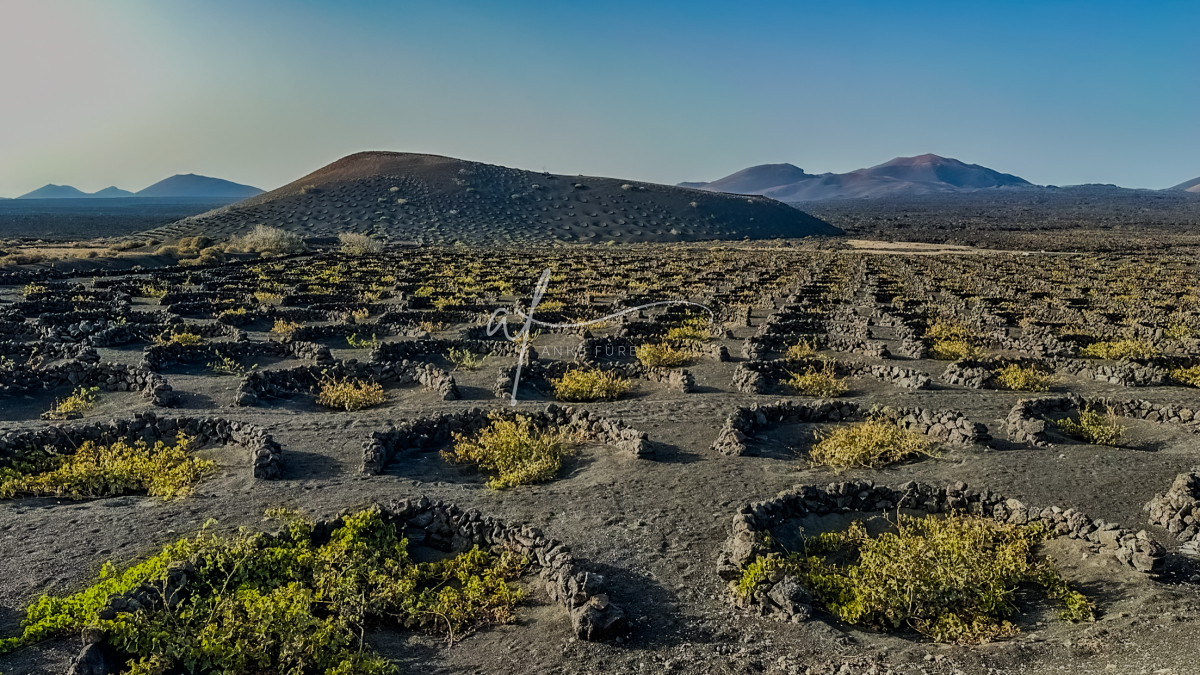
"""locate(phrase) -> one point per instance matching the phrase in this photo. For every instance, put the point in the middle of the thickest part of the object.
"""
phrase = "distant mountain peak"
(193, 185)
(112, 191)
(927, 158)
(902, 175)
(52, 191)
(756, 179)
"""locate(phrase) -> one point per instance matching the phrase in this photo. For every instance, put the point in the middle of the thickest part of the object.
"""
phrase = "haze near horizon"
(262, 92)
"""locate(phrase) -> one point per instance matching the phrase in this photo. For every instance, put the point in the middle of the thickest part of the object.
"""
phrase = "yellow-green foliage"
(801, 351)
(516, 450)
(184, 336)
(1179, 331)
(662, 355)
(268, 297)
(1115, 350)
(362, 314)
(1024, 378)
(350, 395)
(224, 365)
(152, 291)
(240, 311)
(423, 292)
(32, 289)
(954, 341)
(551, 305)
(285, 328)
(1189, 376)
(949, 330)
(954, 579)
(955, 350)
(359, 343)
(287, 604)
(871, 444)
(432, 326)
(96, 470)
(821, 383)
(589, 384)
(79, 403)
(695, 329)
(1094, 428)
(465, 359)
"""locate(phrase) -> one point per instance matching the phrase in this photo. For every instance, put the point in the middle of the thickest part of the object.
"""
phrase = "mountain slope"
(758, 179)
(923, 174)
(109, 192)
(933, 169)
(191, 185)
(55, 192)
(1190, 186)
(440, 199)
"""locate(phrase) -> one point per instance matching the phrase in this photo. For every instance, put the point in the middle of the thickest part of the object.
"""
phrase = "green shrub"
(662, 355)
(1094, 428)
(950, 330)
(79, 403)
(268, 297)
(1025, 378)
(954, 579)
(589, 384)
(1115, 350)
(1189, 376)
(32, 289)
(821, 383)
(96, 470)
(801, 351)
(696, 329)
(359, 343)
(258, 604)
(285, 328)
(871, 444)
(465, 359)
(955, 350)
(1179, 331)
(225, 365)
(517, 451)
(233, 313)
(152, 291)
(350, 395)
(177, 336)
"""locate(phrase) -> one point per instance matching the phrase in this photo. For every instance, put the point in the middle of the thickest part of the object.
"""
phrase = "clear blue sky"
(126, 92)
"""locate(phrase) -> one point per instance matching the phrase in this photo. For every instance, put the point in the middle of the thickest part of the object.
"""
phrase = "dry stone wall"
(1179, 511)
(259, 383)
(779, 599)
(1026, 421)
(427, 433)
(265, 455)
